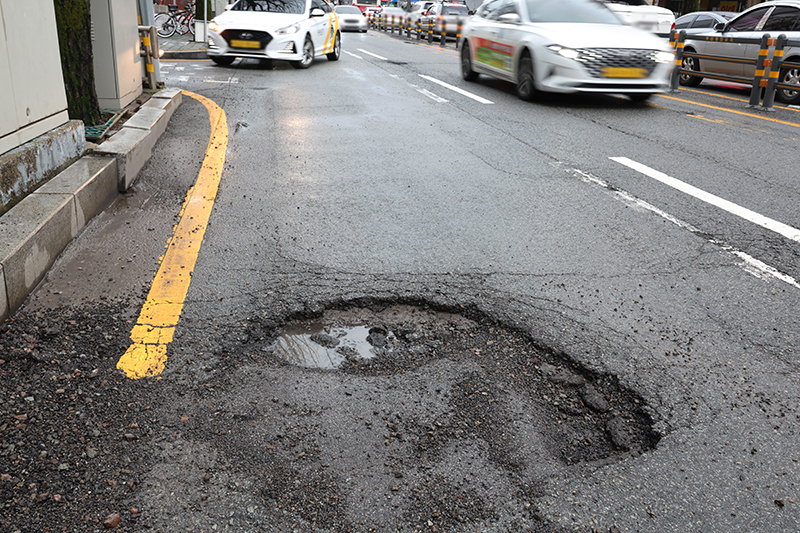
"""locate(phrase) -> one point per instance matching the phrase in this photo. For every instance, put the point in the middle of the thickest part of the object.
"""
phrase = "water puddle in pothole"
(320, 345)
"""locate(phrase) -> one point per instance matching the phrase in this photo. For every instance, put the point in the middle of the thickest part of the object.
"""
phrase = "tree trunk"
(73, 19)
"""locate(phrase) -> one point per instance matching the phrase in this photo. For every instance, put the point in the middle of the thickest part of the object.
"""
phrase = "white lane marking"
(432, 96)
(773, 225)
(458, 90)
(373, 55)
(229, 80)
(750, 264)
(352, 54)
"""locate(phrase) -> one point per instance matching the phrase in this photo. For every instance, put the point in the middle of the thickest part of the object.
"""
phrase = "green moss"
(73, 20)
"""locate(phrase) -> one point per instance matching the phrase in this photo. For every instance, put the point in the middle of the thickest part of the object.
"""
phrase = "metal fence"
(764, 84)
(401, 24)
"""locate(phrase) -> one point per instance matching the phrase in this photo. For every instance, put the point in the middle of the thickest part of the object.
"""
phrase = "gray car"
(773, 18)
(702, 21)
(449, 13)
(351, 18)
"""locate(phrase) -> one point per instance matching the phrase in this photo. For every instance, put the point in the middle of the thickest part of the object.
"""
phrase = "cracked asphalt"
(564, 358)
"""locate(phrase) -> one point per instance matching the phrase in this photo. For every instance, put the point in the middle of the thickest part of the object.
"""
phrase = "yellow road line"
(155, 327)
(731, 111)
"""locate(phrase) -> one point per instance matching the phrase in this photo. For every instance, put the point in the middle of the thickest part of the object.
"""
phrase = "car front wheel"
(223, 60)
(466, 63)
(308, 54)
(337, 48)
(526, 87)
(790, 76)
(690, 63)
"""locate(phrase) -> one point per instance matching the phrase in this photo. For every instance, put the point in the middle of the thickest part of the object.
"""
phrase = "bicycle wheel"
(165, 25)
(190, 23)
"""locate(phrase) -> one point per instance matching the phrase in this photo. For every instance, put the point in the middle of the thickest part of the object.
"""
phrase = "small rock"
(780, 503)
(130, 437)
(376, 338)
(620, 432)
(548, 369)
(593, 399)
(565, 377)
(41, 498)
(112, 521)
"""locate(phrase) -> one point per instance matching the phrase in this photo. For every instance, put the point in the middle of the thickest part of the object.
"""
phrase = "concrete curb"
(35, 231)
(185, 54)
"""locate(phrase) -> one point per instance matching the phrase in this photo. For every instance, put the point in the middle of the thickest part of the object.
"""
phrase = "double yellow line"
(155, 328)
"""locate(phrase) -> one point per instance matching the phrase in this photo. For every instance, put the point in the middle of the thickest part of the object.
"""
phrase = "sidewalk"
(182, 47)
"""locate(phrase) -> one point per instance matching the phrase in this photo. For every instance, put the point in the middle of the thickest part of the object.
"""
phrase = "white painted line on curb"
(773, 225)
(352, 54)
(458, 90)
(373, 55)
(751, 265)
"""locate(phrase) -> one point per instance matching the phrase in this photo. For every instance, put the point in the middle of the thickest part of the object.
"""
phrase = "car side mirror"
(317, 12)
(510, 18)
(720, 26)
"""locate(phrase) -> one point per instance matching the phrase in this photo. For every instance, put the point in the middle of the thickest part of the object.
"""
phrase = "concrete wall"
(33, 99)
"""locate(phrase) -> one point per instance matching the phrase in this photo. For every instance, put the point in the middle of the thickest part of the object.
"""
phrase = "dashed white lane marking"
(458, 90)
(352, 54)
(432, 96)
(750, 264)
(229, 80)
(773, 225)
(373, 55)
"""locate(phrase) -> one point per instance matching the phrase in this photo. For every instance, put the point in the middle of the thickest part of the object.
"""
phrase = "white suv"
(642, 14)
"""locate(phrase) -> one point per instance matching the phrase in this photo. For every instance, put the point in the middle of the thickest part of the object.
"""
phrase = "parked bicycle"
(176, 20)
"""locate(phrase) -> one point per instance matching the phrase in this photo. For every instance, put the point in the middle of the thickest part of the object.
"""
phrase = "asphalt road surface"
(423, 304)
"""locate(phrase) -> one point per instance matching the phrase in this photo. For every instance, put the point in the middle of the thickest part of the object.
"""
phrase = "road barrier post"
(677, 42)
(430, 31)
(760, 80)
(419, 29)
(459, 27)
(444, 30)
(774, 68)
(408, 27)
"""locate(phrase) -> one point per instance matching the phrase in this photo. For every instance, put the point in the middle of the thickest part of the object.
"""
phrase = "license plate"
(620, 72)
(238, 43)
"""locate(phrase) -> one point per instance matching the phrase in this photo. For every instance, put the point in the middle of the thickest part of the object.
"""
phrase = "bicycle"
(175, 21)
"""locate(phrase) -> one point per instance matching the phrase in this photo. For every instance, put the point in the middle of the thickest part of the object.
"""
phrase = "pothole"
(499, 383)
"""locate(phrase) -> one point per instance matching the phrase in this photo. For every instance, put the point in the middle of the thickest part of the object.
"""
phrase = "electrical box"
(115, 45)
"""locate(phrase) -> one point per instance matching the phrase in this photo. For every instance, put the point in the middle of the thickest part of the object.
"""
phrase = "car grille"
(247, 35)
(596, 59)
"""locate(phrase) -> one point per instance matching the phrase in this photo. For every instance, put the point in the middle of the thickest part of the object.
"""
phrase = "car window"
(570, 11)
(506, 7)
(782, 19)
(489, 9)
(272, 6)
(749, 21)
(455, 10)
(684, 22)
(321, 5)
(704, 21)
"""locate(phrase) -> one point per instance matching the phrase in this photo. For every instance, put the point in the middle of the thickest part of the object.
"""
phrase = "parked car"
(292, 30)
(563, 46)
(370, 11)
(351, 18)
(701, 21)
(642, 14)
(447, 12)
(771, 18)
(417, 8)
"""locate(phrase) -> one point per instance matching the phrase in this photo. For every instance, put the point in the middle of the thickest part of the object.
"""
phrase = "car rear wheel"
(690, 63)
(526, 87)
(790, 76)
(466, 63)
(337, 48)
(308, 54)
(223, 60)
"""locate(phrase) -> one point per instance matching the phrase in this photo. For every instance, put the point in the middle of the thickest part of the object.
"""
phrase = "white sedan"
(351, 18)
(563, 46)
(292, 30)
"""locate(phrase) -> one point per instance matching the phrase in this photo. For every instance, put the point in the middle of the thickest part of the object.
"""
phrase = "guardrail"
(421, 30)
(764, 84)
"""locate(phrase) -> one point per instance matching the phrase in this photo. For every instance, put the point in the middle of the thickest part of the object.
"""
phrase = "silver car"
(563, 46)
(701, 21)
(351, 18)
(773, 18)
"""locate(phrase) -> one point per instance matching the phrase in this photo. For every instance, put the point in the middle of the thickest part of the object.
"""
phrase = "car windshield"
(348, 10)
(570, 11)
(271, 6)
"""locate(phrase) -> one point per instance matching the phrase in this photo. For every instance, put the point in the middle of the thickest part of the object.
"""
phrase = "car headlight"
(213, 26)
(289, 30)
(664, 57)
(569, 53)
